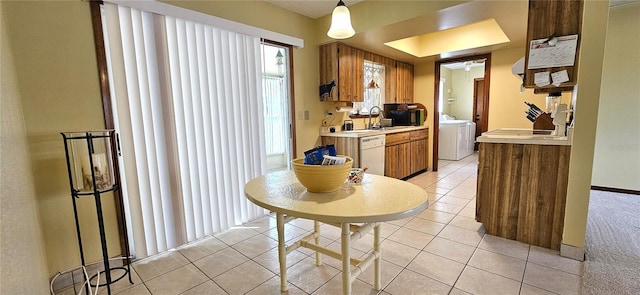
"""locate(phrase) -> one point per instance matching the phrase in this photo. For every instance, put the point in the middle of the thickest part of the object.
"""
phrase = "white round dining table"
(355, 208)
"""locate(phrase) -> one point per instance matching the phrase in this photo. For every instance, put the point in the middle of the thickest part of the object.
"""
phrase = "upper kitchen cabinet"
(555, 28)
(345, 66)
(390, 91)
(404, 82)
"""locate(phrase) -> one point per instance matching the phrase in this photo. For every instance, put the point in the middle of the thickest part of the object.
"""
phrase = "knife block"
(543, 122)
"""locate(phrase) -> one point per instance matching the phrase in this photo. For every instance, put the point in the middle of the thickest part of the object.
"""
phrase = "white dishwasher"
(372, 154)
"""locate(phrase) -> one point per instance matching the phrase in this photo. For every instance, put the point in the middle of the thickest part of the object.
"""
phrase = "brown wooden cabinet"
(419, 142)
(547, 19)
(390, 80)
(406, 153)
(521, 191)
(396, 155)
(345, 66)
(399, 82)
(404, 82)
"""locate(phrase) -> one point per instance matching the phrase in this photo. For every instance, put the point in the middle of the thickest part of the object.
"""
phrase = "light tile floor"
(440, 251)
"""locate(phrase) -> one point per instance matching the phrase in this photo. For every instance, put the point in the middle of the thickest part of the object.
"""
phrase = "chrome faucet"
(379, 114)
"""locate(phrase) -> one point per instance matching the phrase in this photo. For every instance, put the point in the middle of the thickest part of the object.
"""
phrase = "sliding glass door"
(277, 106)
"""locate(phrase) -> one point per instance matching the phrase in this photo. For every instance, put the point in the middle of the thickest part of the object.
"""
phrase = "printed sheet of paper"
(561, 54)
(559, 77)
(541, 79)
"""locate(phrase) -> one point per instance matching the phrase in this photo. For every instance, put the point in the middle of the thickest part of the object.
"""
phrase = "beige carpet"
(612, 264)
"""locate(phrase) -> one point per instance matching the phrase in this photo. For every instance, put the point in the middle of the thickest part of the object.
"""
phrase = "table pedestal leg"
(316, 229)
(376, 262)
(282, 252)
(346, 263)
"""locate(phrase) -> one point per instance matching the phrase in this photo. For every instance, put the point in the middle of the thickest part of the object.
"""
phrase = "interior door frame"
(436, 93)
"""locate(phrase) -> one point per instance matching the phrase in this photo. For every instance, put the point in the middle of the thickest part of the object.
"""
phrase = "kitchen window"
(374, 86)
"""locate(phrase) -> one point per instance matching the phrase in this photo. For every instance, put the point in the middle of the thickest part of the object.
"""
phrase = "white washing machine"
(456, 139)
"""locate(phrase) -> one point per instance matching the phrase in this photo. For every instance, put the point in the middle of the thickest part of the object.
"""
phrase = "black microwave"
(404, 117)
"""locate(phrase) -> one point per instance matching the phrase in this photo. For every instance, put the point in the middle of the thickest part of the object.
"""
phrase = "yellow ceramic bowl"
(321, 178)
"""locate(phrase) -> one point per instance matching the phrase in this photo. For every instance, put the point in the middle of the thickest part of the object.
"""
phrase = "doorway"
(480, 108)
(470, 104)
(278, 105)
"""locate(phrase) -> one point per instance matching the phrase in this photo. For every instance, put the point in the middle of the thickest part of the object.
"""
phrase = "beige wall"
(506, 105)
(58, 84)
(462, 91)
(616, 162)
(594, 26)
(447, 91)
(23, 262)
(424, 79)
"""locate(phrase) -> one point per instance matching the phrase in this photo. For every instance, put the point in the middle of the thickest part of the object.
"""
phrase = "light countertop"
(523, 136)
(371, 132)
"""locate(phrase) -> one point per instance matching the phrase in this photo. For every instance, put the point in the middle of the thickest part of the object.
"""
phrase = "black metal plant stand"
(91, 158)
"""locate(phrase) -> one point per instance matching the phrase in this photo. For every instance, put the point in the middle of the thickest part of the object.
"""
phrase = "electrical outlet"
(306, 115)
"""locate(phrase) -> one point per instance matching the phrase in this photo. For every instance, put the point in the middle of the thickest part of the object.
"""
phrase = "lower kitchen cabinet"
(390, 161)
(419, 142)
(397, 160)
(396, 155)
(406, 153)
(347, 146)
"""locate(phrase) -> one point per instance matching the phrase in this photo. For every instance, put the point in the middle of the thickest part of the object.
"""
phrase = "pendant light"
(340, 23)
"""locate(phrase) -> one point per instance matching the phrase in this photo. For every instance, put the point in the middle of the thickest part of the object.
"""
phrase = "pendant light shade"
(340, 23)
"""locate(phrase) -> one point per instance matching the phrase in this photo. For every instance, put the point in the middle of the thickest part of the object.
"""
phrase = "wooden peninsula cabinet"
(522, 188)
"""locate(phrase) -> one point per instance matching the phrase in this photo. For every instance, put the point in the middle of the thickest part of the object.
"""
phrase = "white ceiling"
(311, 8)
(510, 15)
(319, 8)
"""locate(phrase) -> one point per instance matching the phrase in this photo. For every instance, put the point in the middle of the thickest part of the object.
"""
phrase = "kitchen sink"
(361, 131)
(389, 128)
(521, 132)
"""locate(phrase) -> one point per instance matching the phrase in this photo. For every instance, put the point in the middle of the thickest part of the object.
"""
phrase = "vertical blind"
(178, 86)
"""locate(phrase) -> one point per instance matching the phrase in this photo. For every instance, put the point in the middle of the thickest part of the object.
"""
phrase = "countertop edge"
(372, 133)
(522, 136)
(525, 141)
